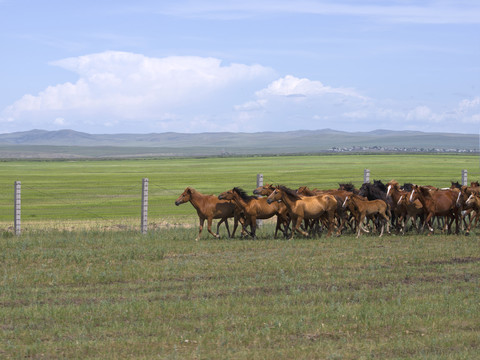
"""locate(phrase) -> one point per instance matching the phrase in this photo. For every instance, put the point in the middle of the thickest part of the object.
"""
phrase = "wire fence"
(109, 207)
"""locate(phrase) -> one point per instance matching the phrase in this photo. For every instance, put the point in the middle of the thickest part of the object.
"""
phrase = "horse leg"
(331, 223)
(209, 227)
(428, 222)
(360, 227)
(253, 227)
(223, 220)
(298, 222)
(236, 219)
(202, 221)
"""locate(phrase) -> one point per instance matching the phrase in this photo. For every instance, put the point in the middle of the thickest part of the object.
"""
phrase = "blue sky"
(207, 66)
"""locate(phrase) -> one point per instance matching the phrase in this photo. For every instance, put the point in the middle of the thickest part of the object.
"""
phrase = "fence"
(92, 208)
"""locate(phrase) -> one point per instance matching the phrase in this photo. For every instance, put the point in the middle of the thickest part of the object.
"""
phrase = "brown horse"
(340, 195)
(256, 208)
(414, 210)
(473, 203)
(208, 208)
(362, 208)
(440, 202)
(395, 193)
(310, 207)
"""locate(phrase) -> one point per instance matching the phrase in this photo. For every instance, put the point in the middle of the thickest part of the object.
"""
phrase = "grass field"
(111, 295)
(97, 293)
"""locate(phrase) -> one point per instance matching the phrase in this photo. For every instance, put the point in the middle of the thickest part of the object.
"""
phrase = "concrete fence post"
(464, 177)
(366, 176)
(17, 220)
(144, 213)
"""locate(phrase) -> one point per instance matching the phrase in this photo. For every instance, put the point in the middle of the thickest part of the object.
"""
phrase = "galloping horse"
(377, 191)
(413, 211)
(437, 203)
(473, 202)
(256, 208)
(310, 207)
(208, 208)
(395, 193)
(361, 208)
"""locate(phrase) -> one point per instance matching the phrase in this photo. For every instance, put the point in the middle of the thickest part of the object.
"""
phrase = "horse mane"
(347, 186)
(291, 193)
(407, 187)
(379, 184)
(243, 194)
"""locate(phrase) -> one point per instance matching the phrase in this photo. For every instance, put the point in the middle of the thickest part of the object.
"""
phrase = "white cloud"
(293, 86)
(125, 92)
(116, 86)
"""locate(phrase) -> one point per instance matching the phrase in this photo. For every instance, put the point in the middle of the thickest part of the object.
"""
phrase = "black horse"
(375, 191)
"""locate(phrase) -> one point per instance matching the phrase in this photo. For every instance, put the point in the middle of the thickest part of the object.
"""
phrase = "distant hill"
(73, 144)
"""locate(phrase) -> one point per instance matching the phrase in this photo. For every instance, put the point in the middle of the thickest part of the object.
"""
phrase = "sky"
(148, 66)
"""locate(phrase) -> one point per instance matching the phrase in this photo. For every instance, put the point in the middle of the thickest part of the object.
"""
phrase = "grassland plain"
(108, 191)
(118, 294)
(112, 295)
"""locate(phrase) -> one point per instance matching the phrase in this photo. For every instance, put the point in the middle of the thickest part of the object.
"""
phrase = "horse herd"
(374, 207)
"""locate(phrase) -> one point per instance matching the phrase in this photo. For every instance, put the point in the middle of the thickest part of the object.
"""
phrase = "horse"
(473, 202)
(413, 211)
(398, 208)
(437, 203)
(377, 191)
(361, 208)
(208, 208)
(340, 195)
(255, 208)
(309, 207)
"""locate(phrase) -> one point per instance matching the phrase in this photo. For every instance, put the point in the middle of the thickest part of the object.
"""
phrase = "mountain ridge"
(75, 143)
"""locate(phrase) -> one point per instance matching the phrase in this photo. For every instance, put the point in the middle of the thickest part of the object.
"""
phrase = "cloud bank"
(126, 92)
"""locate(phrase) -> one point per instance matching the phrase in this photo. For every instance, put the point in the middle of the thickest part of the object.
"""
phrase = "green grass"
(104, 294)
(99, 293)
(110, 190)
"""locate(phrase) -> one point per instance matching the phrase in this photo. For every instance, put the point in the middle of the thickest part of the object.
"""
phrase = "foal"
(360, 209)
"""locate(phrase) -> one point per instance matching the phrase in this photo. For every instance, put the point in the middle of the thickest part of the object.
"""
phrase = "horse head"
(392, 184)
(226, 195)
(276, 195)
(264, 190)
(185, 196)
(455, 185)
